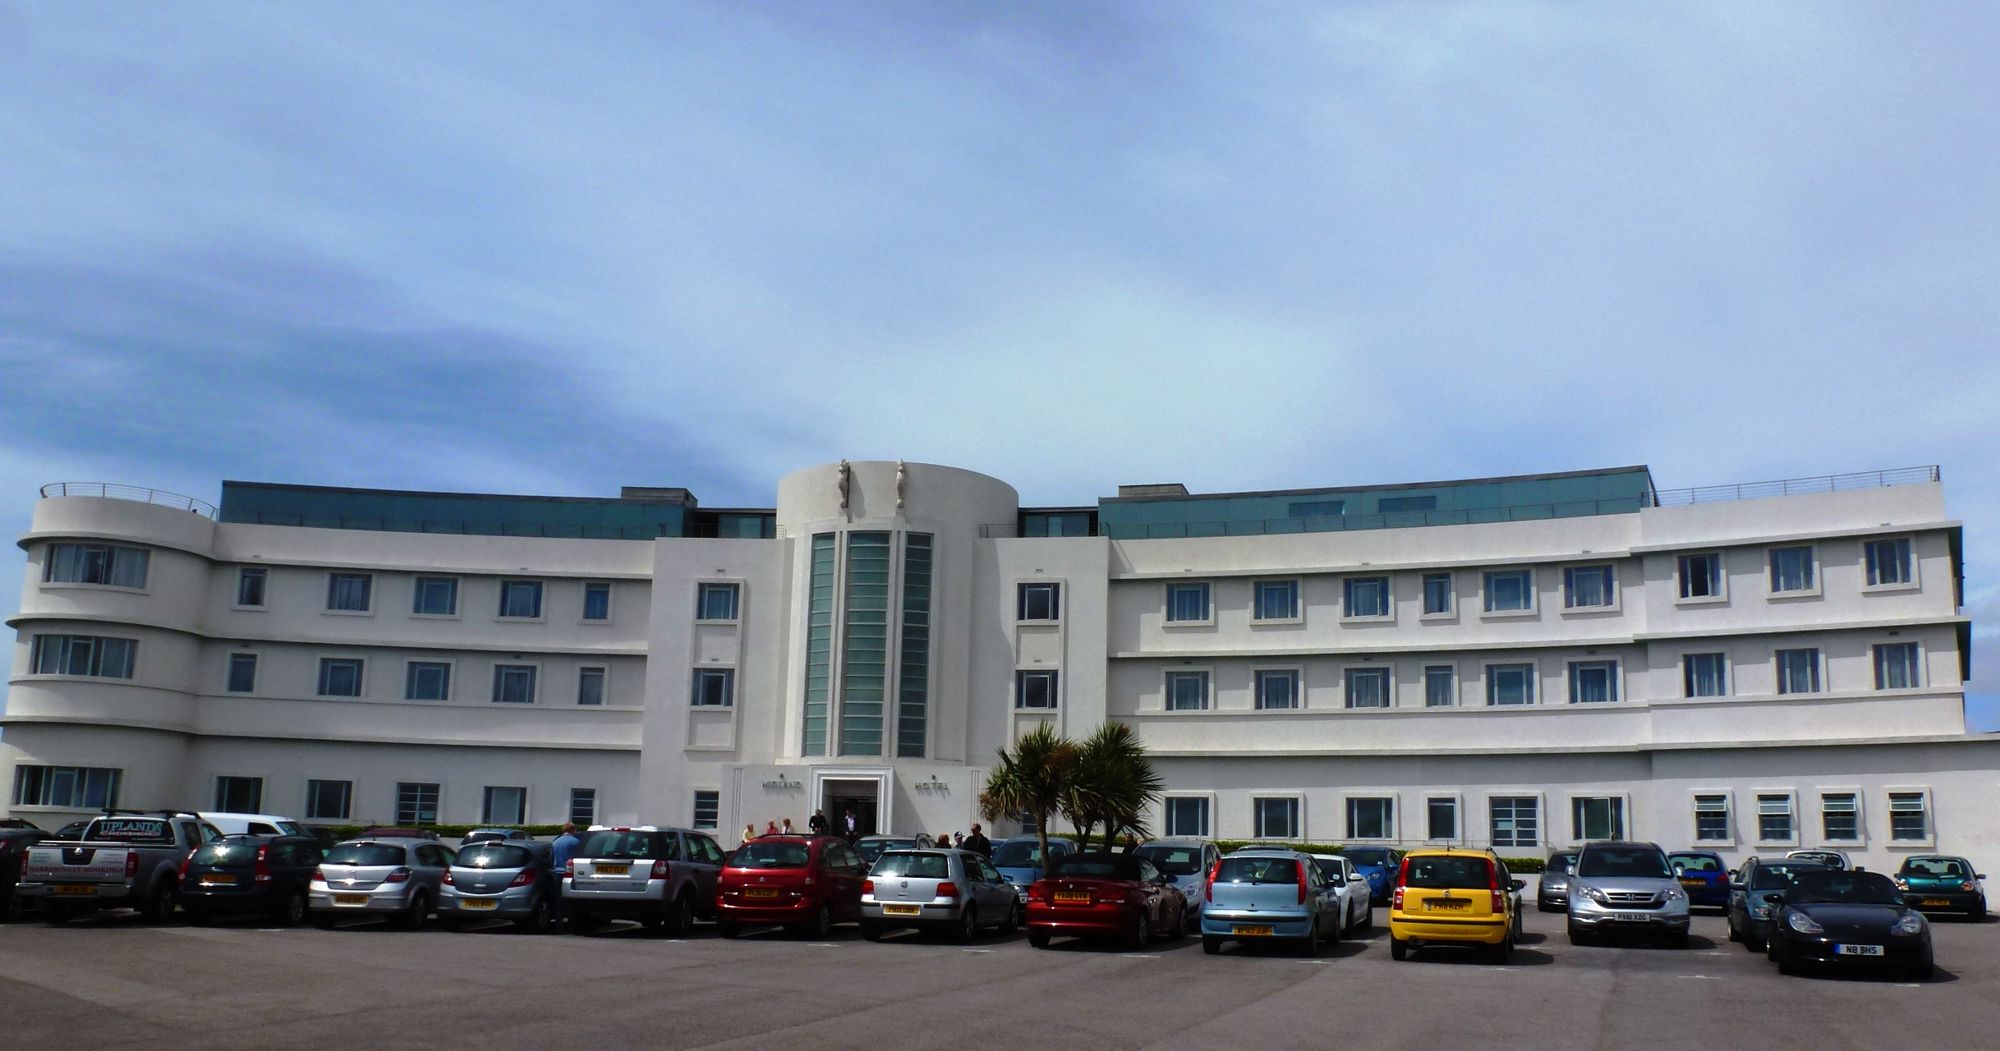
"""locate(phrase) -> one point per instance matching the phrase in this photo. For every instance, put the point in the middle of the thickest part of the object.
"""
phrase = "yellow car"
(1454, 897)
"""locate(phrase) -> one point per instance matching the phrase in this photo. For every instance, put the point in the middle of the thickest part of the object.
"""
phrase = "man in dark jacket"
(817, 823)
(978, 843)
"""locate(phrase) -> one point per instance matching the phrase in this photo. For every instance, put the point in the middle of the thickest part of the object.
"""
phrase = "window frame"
(1053, 679)
(698, 692)
(1297, 813)
(223, 782)
(410, 680)
(1207, 592)
(79, 777)
(596, 797)
(603, 685)
(229, 672)
(1207, 804)
(261, 574)
(1727, 810)
(95, 664)
(1347, 604)
(1489, 677)
(1051, 590)
(1779, 679)
(1530, 594)
(111, 558)
(1612, 592)
(1391, 819)
(1687, 675)
(1916, 648)
(732, 590)
(1297, 600)
(1619, 811)
(540, 590)
(311, 796)
(417, 589)
(1170, 675)
(1385, 672)
(1298, 690)
(321, 681)
(1451, 669)
(1719, 580)
(415, 818)
(334, 578)
(1869, 569)
(1759, 796)
(1514, 799)
(1812, 568)
(487, 816)
(1431, 800)
(1853, 796)
(714, 800)
(610, 603)
(534, 670)
(1450, 610)
(1926, 808)
(1613, 675)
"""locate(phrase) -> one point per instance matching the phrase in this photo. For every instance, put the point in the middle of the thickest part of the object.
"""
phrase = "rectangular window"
(1909, 818)
(105, 564)
(250, 587)
(239, 795)
(1774, 818)
(1315, 508)
(583, 806)
(714, 688)
(1441, 817)
(1510, 684)
(339, 677)
(521, 599)
(1896, 666)
(416, 803)
(1277, 689)
(1440, 686)
(1275, 600)
(1593, 682)
(707, 808)
(329, 800)
(349, 592)
(1367, 596)
(913, 674)
(1368, 687)
(1597, 817)
(590, 686)
(864, 652)
(1187, 602)
(1798, 671)
(1705, 675)
(242, 673)
(715, 602)
(1889, 562)
(1371, 818)
(1187, 691)
(1276, 818)
(427, 681)
(1510, 590)
(1588, 587)
(1515, 820)
(1390, 505)
(71, 787)
(435, 597)
(1038, 602)
(1437, 593)
(596, 600)
(1035, 689)
(1792, 569)
(514, 683)
(95, 655)
(505, 805)
(819, 643)
(1840, 816)
(1711, 819)
(1701, 575)
(1186, 815)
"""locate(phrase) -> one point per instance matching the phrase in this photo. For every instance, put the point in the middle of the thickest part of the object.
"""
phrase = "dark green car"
(1942, 882)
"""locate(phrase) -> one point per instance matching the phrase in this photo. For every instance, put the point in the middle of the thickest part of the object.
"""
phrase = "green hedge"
(1516, 866)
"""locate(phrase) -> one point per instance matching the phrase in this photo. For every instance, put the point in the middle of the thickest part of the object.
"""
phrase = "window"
(1896, 666)
(1840, 816)
(1510, 684)
(1704, 675)
(1711, 818)
(521, 599)
(1038, 602)
(1889, 562)
(1440, 686)
(1371, 817)
(1593, 682)
(1277, 689)
(1277, 818)
(435, 597)
(1441, 817)
(242, 673)
(715, 602)
(117, 567)
(714, 688)
(329, 800)
(1367, 596)
(1597, 817)
(239, 795)
(71, 787)
(1390, 505)
(707, 808)
(1701, 576)
(1187, 603)
(1368, 687)
(913, 672)
(1589, 587)
(348, 592)
(1909, 818)
(596, 600)
(1035, 689)
(427, 681)
(1516, 820)
(583, 806)
(1774, 818)
(84, 655)
(590, 686)
(250, 587)
(1792, 569)
(1511, 590)
(1275, 600)
(1186, 815)
(1437, 594)
(819, 644)
(339, 677)
(1187, 691)
(416, 803)
(514, 684)
(505, 805)
(1798, 671)
(1315, 508)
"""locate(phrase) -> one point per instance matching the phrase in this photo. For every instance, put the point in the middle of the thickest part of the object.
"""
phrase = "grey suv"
(397, 877)
(662, 877)
(1626, 887)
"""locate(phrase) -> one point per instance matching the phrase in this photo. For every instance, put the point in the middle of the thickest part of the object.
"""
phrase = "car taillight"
(185, 862)
(1402, 879)
(1965, 884)
(447, 880)
(659, 868)
(947, 889)
(1493, 884)
(397, 875)
(319, 875)
(868, 886)
(132, 863)
(523, 878)
(568, 870)
(1397, 904)
(1208, 885)
(1303, 890)
(262, 872)
(1038, 891)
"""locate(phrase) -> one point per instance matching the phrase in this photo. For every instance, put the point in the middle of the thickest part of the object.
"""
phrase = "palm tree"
(1031, 780)
(1113, 784)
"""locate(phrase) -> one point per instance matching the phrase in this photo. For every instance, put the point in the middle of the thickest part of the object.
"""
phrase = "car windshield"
(1021, 855)
(494, 856)
(1631, 862)
(1370, 855)
(1174, 861)
(919, 866)
(1330, 869)
(226, 854)
(1779, 875)
(1560, 864)
(769, 854)
(1695, 862)
(364, 854)
(1257, 870)
(1935, 867)
(1439, 873)
(1097, 866)
(1835, 885)
(615, 844)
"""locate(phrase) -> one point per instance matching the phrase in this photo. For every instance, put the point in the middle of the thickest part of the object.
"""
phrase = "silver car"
(1626, 887)
(1270, 895)
(1189, 861)
(501, 879)
(949, 890)
(1351, 887)
(398, 878)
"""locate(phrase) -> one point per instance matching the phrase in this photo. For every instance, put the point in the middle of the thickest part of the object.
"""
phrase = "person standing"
(787, 829)
(850, 826)
(817, 823)
(770, 828)
(562, 852)
(749, 832)
(977, 842)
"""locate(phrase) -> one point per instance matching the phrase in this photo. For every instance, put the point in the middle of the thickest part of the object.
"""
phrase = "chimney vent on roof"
(1156, 489)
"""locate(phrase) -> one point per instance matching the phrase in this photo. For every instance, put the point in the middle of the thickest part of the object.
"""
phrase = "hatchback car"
(503, 879)
(944, 890)
(1626, 888)
(1849, 919)
(804, 883)
(871, 847)
(662, 877)
(1269, 895)
(1356, 914)
(1552, 890)
(1188, 861)
(1378, 866)
(1940, 881)
(241, 875)
(1455, 898)
(1832, 859)
(1704, 878)
(1100, 894)
(231, 824)
(1755, 891)
(397, 878)
(1019, 860)
(481, 835)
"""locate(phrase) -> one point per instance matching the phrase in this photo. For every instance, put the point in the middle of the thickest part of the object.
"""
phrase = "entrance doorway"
(864, 797)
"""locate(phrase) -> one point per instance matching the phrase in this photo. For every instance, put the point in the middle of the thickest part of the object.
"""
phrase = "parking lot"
(113, 981)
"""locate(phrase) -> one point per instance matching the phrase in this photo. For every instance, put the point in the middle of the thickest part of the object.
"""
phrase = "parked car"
(1849, 919)
(508, 879)
(1754, 894)
(871, 847)
(1626, 888)
(1351, 887)
(126, 859)
(481, 835)
(1704, 878)
(14, 844)
(1832, 859)
(397, 877)
(245, 874)
(1943, 881)
(1019, 860)
(20, 824)
(662, 877)
(1454, 897)
(253, 824)
(1188, 860)
(941, 889)
(394, 832)
(1378, 866)
(1269, 895)
(805, 883)
(72, 831)
(1104, 894)
(1552, 890)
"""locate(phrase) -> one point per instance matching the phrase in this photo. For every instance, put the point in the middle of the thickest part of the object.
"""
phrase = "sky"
(556, 249)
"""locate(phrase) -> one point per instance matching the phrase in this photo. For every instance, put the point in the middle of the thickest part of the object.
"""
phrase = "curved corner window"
(103, 564)
(84, 655)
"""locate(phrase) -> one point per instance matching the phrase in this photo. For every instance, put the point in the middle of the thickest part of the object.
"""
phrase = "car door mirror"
(1979, 875)
(1356, 877)
(1516, 884)
(1735, 883)
(1680, 868)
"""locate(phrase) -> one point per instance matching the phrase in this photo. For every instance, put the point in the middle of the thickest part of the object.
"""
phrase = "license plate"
(902, 910)
(478, 903)
(350, 899)
(1072, 897)
(760, 892)
(612, 870)
(1692, 883)
(1243, 931)
(1448, 904)
(1858, 950)
(75, 888)
(1630, 917)
(1936, 901)
(218, 879)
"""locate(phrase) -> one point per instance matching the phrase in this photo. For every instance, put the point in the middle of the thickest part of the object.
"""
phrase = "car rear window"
(1024, 854)
(1442, 873)
(1934, 867)
(1369, 855)
(1174, 861)
(364, 854)
(494, 856)
(769, 854)
(1780, 875)
(1257, 870)
(1630, 862)
(226, 854)
(918, 866)
(1097, 866)
(614, 844)
(1695, 862)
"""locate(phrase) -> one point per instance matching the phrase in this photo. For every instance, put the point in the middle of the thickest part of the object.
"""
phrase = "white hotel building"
(1518, 662)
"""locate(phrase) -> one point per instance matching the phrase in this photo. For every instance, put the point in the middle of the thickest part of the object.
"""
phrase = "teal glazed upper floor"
(637, 513)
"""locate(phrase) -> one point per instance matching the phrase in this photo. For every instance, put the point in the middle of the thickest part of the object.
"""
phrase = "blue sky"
(559, 248)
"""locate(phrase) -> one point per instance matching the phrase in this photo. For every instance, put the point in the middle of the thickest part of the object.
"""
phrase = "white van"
(254, 824)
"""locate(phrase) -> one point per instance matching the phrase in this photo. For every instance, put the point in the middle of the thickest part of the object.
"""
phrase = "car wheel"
(1313, 940)
(1210, 945)
(1577, 935)
(1333, 936)
(1176, 930)
(1038, 939)
(1398, 948)
(681, 920)
(871, 931)
(1786, 965)
(653, 923)
(1367, 921)
(1977, 912)
(1504, 951)
(537, 919)
(1754, 944)
(1009, 925)
(727, 928)
(968, 924)
(294, 912)
(1734, 934)
(821, 926)
(159, 904)
(11, 909)
(412, 918)
(1142, 931)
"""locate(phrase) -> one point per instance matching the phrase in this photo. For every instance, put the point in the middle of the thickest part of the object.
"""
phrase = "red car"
(806, 883)
(1104, 895)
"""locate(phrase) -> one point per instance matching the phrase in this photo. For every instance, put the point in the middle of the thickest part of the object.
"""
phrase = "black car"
(1755, 891)
(73, 830)
(1846, 918)
(14, 844)
(250, 875)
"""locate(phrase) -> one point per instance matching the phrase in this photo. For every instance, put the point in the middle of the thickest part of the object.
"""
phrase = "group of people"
(849, 829)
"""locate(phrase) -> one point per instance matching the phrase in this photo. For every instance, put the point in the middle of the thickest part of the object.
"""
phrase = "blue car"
(1020, 863)
(1377, 865)
(1703, 876)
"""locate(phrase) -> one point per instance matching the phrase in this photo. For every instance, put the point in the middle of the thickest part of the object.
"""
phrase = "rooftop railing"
(1826, 483)
(139, 493)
